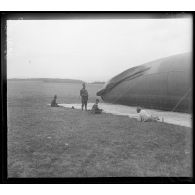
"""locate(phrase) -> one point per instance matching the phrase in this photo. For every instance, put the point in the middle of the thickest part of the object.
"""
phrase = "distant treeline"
(49, 80)
(55, 80)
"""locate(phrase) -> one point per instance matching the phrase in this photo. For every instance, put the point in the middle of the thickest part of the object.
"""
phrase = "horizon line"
(23, 78)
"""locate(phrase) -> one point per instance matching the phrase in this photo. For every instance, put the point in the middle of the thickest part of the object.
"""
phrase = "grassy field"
(61, 142)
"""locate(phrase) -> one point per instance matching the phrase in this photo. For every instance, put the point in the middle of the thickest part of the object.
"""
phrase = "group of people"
(143, 116)
(84, 99)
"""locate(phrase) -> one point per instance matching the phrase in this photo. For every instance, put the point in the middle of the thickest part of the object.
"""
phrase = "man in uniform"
(84, 97)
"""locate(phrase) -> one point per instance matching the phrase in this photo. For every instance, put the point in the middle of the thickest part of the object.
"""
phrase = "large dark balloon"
(164, 84)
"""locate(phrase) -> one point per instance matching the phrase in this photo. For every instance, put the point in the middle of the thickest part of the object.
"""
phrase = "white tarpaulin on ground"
(176, 118)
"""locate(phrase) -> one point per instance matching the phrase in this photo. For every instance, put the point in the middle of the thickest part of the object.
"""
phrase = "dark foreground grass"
(61, 142)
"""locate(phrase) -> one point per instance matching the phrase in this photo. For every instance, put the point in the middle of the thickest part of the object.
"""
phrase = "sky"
(91, 50)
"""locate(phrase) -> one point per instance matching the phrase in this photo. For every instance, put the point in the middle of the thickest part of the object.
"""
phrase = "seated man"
(145, 117)
(53, 102)
(95, 109)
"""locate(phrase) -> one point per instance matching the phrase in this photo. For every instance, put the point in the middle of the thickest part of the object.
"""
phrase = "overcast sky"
(91, 50)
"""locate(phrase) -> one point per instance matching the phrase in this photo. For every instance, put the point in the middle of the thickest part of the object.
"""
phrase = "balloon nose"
(100, 92)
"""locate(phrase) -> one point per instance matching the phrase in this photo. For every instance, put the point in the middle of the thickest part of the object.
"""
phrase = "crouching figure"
(53, 102)
(95, 109)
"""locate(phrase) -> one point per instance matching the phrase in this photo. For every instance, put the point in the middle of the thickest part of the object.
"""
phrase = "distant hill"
(98, 82)
(48, 80)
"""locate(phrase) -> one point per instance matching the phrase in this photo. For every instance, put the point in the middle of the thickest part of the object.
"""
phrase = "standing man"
(84, 97)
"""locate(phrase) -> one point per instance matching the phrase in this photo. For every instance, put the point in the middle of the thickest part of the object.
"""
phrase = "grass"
(61, 142)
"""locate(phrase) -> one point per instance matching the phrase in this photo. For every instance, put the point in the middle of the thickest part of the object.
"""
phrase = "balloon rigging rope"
(181, 100)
